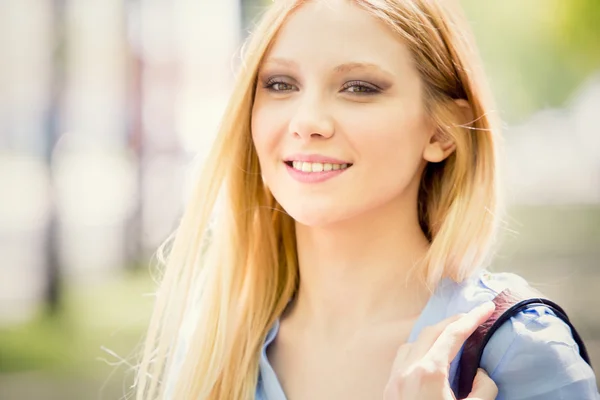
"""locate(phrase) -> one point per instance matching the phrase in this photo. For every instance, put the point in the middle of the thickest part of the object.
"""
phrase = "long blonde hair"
(238, 272)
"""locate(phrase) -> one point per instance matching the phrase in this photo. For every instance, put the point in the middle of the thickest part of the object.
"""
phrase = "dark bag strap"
(508, 304)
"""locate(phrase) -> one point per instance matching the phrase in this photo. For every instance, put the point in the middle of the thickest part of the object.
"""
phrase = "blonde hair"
(240, 282)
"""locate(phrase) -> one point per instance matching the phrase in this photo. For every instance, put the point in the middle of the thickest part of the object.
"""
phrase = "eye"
(279, 85)
(360, 88)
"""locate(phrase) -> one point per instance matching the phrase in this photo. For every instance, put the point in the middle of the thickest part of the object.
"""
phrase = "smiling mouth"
(316, 167)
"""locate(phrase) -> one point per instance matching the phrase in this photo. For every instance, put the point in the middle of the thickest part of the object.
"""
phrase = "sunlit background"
(107, 106)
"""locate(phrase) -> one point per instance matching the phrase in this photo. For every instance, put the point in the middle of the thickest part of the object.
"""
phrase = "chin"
(314, 221)
(316, 216)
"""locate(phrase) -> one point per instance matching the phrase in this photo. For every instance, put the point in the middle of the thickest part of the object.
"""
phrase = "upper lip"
(314, 158)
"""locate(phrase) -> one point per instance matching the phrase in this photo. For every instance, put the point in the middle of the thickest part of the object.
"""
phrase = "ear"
(441, 144)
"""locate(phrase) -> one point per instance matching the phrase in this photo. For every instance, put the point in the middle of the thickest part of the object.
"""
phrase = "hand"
(420, 370)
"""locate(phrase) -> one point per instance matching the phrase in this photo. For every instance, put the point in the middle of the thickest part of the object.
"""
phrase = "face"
(338, 120)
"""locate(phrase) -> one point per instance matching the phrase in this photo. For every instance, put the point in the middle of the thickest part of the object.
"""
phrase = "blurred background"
(107, 105)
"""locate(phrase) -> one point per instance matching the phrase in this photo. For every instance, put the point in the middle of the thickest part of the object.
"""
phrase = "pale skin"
(339, 83)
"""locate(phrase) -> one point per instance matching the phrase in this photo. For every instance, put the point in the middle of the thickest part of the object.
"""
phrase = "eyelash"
(274, 81)
(370, 88)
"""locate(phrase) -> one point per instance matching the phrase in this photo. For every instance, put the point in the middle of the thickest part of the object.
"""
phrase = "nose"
(312, 120)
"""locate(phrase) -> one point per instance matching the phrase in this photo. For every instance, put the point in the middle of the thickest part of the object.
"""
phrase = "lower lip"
(313, 177)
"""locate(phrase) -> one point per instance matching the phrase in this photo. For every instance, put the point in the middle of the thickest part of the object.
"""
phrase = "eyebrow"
(359, 65)
(340, 69)
(281, 61)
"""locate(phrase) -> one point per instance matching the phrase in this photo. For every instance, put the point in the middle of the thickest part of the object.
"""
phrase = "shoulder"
(529, 348)
(479, 288)
(534, 356)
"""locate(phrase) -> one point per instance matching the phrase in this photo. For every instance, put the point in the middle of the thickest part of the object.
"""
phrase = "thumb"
(484, 387)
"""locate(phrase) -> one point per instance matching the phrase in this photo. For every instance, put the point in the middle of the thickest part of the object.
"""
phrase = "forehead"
(327, 32)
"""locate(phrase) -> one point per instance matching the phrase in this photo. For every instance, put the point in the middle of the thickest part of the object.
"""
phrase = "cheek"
(390, 141)
(260, 135)
(267, 128)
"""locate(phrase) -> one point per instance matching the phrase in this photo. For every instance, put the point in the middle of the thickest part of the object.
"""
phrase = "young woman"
(353, 186)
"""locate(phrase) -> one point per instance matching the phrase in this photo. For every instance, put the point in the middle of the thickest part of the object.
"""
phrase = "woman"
(356, 175)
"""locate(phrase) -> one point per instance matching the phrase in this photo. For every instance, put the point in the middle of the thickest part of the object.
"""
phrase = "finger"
(452, 338)
(428, 336)
(484, 388)
(431, 333)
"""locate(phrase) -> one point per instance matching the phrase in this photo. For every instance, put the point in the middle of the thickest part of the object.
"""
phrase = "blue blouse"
(533, 356)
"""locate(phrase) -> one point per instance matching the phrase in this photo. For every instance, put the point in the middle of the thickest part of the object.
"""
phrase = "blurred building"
(25, 85)
(104, 106)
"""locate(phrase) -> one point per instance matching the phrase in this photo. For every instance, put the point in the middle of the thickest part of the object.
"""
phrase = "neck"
(358, 272)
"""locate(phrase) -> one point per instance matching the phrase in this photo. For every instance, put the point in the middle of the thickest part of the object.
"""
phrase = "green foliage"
(536, 52)
(41, 344)
(112, 315)
(578, 33)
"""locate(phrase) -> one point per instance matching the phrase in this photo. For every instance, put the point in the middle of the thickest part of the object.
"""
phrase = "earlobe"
(440, 146)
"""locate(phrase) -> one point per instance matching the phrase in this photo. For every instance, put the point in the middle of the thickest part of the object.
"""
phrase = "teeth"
(317, 167)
